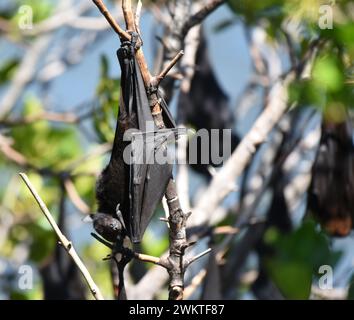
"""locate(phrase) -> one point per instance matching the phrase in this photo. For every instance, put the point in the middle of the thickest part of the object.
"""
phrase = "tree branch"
(128, 15)
(75, 197)
(137, 17)
(200, 16)
(156, 81)
(63, 240)
(115, 26)
(24, 74)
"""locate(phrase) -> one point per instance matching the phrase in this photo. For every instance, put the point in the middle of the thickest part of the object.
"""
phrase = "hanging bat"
(137, 187)
(206, 106)
(331, 192)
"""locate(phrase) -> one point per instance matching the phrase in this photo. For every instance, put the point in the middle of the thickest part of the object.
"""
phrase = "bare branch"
(75, 197)
(68, 117)
(10, 153)
(165, 71)
(151, 259)
(195, 283)
(200, 16)
(59, 19)
(137, 17)
(23, 75)
(128, 15)
(115, 26)
(195, 258)
(63, 240)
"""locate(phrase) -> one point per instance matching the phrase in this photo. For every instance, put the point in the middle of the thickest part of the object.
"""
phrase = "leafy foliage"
(297, 258)
(7, 69)
(44, 144)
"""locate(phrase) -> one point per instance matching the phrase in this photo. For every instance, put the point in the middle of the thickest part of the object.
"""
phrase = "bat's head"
(106, 226)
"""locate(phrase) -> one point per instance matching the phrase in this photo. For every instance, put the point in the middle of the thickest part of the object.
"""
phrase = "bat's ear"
(88, 218)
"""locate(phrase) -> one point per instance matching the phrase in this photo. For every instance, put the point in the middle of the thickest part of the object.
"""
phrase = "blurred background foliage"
(57, 152)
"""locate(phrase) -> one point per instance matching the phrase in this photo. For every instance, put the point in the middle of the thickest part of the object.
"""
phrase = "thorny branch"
(175, 263)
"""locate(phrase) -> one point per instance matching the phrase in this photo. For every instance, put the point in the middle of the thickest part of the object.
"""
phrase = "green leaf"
(254, 10)
(297, 257)
(293, 279)
(43, 242)
(45, 144)
(327, 73)
(7, 69)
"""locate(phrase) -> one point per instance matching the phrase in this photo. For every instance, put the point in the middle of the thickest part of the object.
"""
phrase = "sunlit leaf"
(328, 74)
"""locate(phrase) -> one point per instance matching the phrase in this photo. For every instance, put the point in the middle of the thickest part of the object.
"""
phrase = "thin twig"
(147, 258)
(200, 16)
(167, 69)
(137, 17)
(24, 74)
(128, 15)
(115, 26)
(135, 255)
(63, 16)
(63, 240)
(11, 153)
(226, 230)
(195, 258)
(75, 197)
(67, 117)
(195, 283)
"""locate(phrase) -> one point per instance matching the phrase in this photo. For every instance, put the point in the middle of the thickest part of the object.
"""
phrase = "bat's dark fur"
(331, 197)
(205, 106)
(111, 187)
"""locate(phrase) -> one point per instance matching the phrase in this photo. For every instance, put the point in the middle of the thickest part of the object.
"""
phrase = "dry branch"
(115, 26)
(63, 240)
(75, 197)
(24, 75)
(198, 17)
(167, 69)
